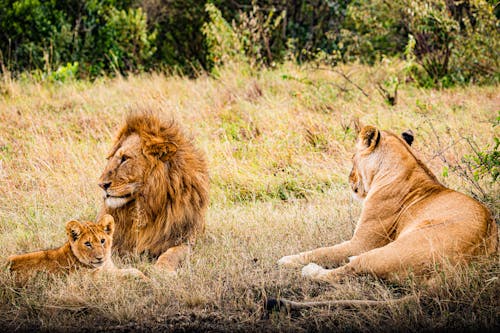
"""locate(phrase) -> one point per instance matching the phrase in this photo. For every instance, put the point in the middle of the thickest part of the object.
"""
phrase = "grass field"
(279, 144)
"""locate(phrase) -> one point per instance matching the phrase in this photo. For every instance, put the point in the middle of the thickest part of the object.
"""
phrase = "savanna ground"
(279, 145)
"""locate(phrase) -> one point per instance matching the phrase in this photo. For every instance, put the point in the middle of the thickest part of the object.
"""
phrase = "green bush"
(103, 36)
(34, 34)
(223, 44)
(446, 42)
(372, 30)
(124, 43)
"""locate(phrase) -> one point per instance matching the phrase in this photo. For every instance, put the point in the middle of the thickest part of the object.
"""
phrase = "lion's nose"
(105, 185)
(99, 258)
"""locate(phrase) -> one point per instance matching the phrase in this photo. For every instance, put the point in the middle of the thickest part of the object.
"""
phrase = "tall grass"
(279, 145)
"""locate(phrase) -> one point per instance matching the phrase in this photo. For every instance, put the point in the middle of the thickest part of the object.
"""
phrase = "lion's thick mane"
(169, 208)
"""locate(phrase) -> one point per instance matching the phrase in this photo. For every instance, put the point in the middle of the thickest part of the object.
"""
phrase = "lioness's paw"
(290, 261)
(312, 271)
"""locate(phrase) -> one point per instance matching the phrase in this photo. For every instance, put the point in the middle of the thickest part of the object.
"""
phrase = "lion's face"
(356, 182)
(368, 155)
(91, 242)
(124, 174)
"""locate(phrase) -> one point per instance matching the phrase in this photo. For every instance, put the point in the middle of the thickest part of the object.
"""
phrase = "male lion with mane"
(156, 187)
(409, 222)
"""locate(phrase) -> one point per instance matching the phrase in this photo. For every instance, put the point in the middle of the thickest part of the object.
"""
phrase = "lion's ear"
(369, 138)
(408, 136)
(107, 222)
(73, 230)
(163, 150)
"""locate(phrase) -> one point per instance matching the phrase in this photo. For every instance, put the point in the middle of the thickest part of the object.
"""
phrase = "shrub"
(124, 43)
(102, 36)
(447, 42)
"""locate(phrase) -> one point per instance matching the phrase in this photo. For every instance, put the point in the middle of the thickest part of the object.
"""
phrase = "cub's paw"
(290, 261)
(312, 271)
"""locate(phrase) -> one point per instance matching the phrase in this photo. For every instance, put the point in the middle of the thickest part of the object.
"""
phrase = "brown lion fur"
(156, 187)
(88, 247)
(410, 223)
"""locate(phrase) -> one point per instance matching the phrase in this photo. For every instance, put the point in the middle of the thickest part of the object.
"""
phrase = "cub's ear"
(368, 138)
(408, 136)
(73, 230)
(163, 150)
(107, 222)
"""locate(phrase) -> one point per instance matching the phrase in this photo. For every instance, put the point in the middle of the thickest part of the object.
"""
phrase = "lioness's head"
(91, 242)
(142, 145)
(369, 153)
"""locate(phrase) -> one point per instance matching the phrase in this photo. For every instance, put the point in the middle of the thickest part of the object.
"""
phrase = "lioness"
(409, 221)
(88, 247)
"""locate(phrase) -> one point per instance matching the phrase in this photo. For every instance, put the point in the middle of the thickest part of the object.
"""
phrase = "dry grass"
(279, 146)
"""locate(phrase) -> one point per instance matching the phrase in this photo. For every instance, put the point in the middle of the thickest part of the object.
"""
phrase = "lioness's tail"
(282, 303)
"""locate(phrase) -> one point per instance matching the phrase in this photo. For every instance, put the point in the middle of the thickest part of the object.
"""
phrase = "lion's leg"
(384, 262)
(132, 272)
(331, 255)
(173, 257)
(120, 272)
(415, 253)
(369, 234)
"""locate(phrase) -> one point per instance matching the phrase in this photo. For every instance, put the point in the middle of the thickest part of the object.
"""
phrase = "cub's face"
(91, 242)
(124, 174)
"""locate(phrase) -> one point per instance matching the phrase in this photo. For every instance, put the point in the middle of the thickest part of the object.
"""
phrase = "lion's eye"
(124, 158)
(103, 241)
(87, 244)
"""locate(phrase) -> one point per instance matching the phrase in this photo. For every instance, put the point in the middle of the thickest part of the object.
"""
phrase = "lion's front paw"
(312, 271)
(290, 261)
(165, 269)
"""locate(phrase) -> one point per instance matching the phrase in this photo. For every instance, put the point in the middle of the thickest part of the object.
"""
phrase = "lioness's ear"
(369, 138)
(73, 230)
(108, 224)
(408, 136)
(160, 149)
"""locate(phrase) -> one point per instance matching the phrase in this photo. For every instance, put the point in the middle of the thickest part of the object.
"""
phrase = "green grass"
(279, 155)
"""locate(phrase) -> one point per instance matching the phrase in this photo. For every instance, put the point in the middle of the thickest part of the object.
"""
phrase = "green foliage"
(255, 30)
(34, 34)
(314, 25)
(125, 43)
(447, 42)
(372, 30)
(65, 73)
(180, 43)
(486, 162)
(434, 31)
(476, 53)
(101, 35)
(223, 44)
(246, 40)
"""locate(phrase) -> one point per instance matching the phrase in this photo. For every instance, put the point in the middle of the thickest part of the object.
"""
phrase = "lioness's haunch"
(88, 247)
(409, 221)
(156, 187)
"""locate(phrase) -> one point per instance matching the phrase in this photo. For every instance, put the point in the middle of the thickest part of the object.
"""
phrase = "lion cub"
(88, 247)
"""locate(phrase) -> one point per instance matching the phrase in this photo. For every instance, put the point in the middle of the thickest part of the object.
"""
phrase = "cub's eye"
(87, 244)
(103, 241)
(123, 159)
